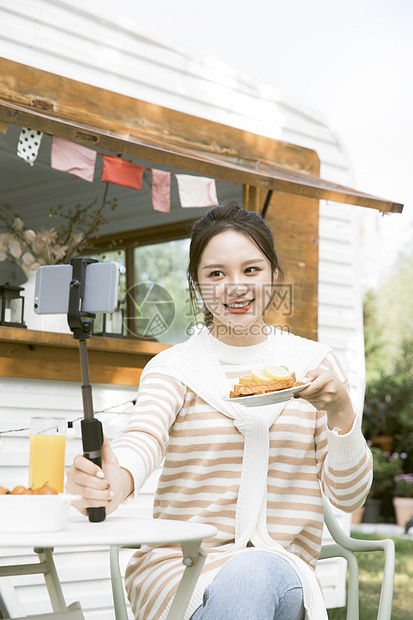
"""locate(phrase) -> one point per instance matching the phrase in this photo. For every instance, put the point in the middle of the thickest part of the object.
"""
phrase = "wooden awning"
(96, 117)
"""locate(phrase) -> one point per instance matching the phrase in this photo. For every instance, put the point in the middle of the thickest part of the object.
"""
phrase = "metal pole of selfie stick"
(81, 324)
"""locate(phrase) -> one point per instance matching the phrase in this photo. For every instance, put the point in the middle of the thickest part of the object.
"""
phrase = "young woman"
(255, 473)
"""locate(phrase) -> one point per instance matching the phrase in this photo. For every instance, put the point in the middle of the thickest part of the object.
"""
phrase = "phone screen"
(53, 287)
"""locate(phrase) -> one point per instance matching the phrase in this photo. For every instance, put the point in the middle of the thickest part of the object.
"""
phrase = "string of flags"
(73, 158)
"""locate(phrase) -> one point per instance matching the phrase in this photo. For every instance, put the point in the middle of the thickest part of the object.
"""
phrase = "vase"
(403, 508)
(384, 442)
(41, 322)
(372, 509)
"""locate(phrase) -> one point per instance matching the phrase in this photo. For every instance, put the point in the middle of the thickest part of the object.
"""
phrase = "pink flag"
(73, 158)
(196, 191)
(161, 190)
(122, 172)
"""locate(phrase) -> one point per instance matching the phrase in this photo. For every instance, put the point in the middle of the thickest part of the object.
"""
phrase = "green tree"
(374, 344)
(388, 331)
(394, 307)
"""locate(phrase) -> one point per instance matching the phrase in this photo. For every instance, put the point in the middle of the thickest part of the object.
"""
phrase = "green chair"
(345, 546)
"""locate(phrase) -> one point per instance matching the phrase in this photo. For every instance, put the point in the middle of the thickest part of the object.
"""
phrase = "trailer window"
(160, 296)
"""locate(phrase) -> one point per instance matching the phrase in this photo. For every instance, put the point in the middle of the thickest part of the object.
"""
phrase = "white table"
(114, 532)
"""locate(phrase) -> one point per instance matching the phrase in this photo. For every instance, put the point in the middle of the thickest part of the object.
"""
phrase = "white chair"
(193, 559)
(10, 606)
(343, 546)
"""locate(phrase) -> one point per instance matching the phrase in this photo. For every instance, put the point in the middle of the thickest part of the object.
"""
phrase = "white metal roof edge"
(246, 84)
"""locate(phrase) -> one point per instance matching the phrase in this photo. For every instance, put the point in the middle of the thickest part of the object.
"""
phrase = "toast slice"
(248, 389)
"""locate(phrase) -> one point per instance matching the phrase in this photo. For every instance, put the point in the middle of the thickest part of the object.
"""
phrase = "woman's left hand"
(327, 393)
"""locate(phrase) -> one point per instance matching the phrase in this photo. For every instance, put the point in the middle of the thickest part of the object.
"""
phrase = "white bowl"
(34, 513)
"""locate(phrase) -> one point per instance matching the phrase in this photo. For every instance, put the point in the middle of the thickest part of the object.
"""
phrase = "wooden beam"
(294, 223)
(252, 198)
(131, 280)
(29, 354)
(103, 119)
(144, 236)
(54, 97)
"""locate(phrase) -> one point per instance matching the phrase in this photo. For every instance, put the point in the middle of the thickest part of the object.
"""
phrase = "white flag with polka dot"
(29, 144)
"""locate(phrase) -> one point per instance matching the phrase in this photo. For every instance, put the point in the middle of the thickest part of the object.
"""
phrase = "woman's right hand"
(107, 486)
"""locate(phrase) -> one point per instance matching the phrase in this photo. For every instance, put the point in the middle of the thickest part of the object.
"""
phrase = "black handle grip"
(92, 440)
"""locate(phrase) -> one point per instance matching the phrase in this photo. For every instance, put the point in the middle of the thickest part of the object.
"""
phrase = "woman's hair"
(229, 216)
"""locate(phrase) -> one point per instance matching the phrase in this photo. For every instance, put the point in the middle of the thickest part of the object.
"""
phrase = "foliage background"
(388, 327)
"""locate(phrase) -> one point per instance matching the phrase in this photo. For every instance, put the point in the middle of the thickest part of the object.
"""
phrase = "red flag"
(161, 190)
(122, 172)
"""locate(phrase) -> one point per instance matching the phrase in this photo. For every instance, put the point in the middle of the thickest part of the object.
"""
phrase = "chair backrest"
(345, 546)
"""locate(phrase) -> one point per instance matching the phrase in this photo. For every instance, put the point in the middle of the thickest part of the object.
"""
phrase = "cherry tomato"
(20, 490)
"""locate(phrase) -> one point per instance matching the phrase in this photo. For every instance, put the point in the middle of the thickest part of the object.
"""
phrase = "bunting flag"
(196, 191)
(29, 144)
(161, 190)
(4, 127)
(122, 172)
(73, 158)
(68, 156)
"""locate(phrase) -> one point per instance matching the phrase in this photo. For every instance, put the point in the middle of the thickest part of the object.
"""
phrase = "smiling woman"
(245, 471)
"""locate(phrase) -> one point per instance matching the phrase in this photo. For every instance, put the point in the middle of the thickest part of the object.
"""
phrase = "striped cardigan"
(203, 451)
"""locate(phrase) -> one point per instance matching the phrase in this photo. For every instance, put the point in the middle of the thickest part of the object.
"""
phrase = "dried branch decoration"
(51, 246)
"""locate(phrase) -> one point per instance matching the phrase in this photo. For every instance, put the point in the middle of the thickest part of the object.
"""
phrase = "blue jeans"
(255, 585)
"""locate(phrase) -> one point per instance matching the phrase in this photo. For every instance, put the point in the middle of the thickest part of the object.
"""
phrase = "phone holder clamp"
(80, 327)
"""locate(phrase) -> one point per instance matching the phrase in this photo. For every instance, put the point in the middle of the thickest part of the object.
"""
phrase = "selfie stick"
(81, 324)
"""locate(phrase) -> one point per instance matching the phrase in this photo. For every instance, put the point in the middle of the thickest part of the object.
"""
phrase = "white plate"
(270, 398)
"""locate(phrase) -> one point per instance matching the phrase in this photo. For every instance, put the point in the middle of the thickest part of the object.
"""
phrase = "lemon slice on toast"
(276, 372)
(259, 376)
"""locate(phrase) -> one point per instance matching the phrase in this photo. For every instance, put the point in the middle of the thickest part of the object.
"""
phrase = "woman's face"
(235, 281)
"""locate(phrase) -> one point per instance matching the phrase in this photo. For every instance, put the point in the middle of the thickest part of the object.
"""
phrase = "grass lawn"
(371, 572)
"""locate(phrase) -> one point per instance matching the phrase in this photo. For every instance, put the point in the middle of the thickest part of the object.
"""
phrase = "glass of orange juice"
(47, 452)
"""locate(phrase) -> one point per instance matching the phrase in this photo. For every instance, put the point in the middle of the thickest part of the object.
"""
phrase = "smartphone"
(52, 288)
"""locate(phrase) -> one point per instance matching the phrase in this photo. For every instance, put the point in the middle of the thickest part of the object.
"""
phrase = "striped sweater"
(203, 454)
